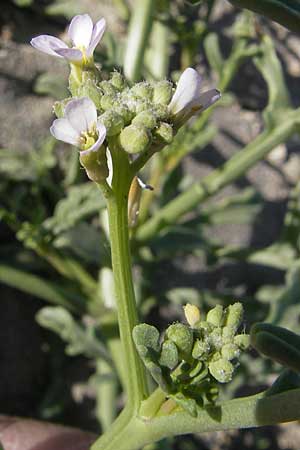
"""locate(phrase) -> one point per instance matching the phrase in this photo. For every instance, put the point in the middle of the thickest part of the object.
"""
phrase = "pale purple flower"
(80, 126)
(84, 35)
(188, 99)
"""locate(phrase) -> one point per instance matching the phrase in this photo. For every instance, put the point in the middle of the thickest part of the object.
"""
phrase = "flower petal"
(187, 90)
(81, 113)
(62, 130)
(71, 54)
(48, 44)
(97, 34)
(208, 98)
(110, 167)
(80, 30)
(101, 136)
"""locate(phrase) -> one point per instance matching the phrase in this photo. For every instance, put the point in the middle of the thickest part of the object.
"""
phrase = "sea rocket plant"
(84, 35)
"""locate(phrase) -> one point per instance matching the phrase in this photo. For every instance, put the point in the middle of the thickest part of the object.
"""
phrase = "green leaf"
(286, 12)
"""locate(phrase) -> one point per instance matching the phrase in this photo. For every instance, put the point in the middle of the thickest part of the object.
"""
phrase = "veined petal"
(80, 30)
(101, 136)
(187, 90)
(71, 54)
(208, 98)
(62, 130)
(97, 34)
(81, 113)
(48, 44)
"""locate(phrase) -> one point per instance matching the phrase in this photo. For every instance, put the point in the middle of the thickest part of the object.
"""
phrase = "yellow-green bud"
(230, 351)
(162, 92)
(107, 87)
(192, 314)
(161, 111)
(125, 113)
(221, 370)
(141, 105)
(234, 315)
(113, 122)
(242, 341)
(215, 315)
(227, 334)
(95, 164)
(164, 133)
(118, 81)
(215, 337)
(201, 349)
(107, 101)
(182, 336)
(89, 89)
(143, 90)
(134, 139)
(145, 118)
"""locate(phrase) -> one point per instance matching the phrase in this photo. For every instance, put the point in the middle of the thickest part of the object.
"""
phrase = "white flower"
(84, 35)
(187, 99)
(79, 126)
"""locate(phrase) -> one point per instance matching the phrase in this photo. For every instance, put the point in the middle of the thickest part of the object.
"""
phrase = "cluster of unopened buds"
(105, 113)
(189, 361)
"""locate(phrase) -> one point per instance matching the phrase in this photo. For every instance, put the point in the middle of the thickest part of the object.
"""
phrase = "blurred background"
(241, 244)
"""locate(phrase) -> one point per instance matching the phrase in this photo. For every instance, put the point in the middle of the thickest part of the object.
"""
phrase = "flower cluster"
(147, 114)
(190, 359)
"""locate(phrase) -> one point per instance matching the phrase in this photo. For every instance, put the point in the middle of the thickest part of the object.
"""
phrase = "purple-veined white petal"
(48, 44)
(110, 167)
(62, 130)
(101, 136)
(80, 30)
(97, 34)
(187, 91)
(208, 98)
(71, 54)
(81, 113)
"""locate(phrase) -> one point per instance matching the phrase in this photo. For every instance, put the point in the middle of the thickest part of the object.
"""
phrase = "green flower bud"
(169, 355)
(164, 133)
(228, 334)
(125, 113)
(134, 139)
(215, 316)
(162, 93)
(143, 90)
(205, 327)
(145, 118)
(118, 81)
(234, 315)
(107, 101)
(95, 164)
(161, 112)
(113, 122)
(141, 105)
(230, 351)
(221, 370)
(242, 341)
(107, 87)
(182, 336)
(215, 338)
(201, 349)
(89, 89)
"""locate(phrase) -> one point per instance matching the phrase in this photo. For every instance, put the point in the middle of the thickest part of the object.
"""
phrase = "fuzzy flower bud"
(192, 314)
(113, 122)
(118, 81)
(164, 133)
(145, 118)
(215, 315)
(89, 89)
(162, 92)
(182, 336)
(234, 315)
(143, 90)
(221, 370)
(107, 101)
(134, 139)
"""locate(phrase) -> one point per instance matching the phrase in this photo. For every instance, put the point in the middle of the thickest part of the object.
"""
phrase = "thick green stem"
(230, 171)
(139, 31)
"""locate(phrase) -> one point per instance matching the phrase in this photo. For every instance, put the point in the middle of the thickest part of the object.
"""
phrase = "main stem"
(135, 378)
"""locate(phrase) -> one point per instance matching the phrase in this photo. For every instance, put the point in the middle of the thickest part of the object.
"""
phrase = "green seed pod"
(230, 351)
(164, 133)
(107, 87)
(113, 122)
(107, 101)
(182, 336)
(162, 92)
(145, 118)
(234, 315)
(143, 90)
(118, 81)
(215, 316)
(242, 341)
(221, 370)
(201, 349)
(169, 355)
(134, 139)
(95, 164)
(124, 112)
